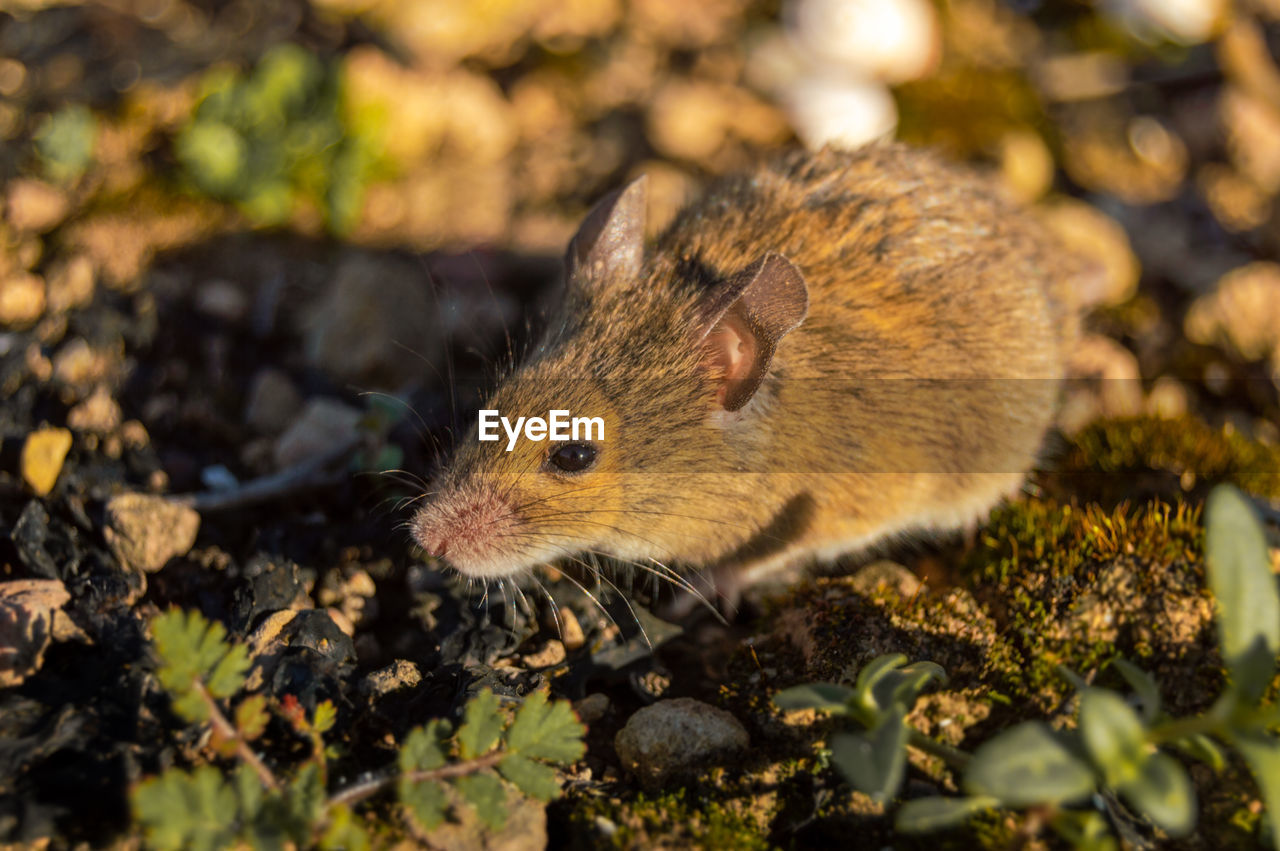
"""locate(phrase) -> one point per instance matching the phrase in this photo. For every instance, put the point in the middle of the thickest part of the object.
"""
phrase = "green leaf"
(481, 725)
(533, 778)
(1085, 830)
(1113, 735)
(543, 730)
(1143, 685)
(304, 799)
(1240, 577)
(227, 676)
(485, 792)
(325, 715)
(874, 761)
(180, 810)
(343, 832)
(249, 792)
(1261, 753)
(1164, 794)
(422, 749)
(1027, 765)
(1203, 748)
(252, 717)
(924, 815)
(425, 801)
(903, 686)
(825, 697)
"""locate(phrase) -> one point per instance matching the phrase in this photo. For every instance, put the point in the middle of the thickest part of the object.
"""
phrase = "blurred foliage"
(64, 143)
(278, 137)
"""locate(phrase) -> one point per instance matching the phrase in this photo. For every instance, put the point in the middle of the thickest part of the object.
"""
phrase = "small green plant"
(277, 136)
(1118, 744)
(439, 769)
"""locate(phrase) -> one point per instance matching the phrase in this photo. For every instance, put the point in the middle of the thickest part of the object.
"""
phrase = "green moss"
(1075, 586)
(1109, 458)
(673, 819)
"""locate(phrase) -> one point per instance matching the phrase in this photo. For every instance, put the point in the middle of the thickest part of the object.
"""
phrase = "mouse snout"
(467, 529)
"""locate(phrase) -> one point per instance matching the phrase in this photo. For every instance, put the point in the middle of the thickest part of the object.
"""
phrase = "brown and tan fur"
(914, 394)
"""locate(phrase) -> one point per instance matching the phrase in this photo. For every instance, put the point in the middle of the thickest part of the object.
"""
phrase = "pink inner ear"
(731, 352)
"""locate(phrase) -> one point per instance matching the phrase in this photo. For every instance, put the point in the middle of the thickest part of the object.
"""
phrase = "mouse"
(827, 351)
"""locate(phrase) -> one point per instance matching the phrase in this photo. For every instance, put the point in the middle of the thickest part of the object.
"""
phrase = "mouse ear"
(743, 320)
(611, 238)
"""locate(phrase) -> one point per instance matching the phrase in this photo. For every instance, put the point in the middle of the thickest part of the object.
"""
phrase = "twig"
(359, 791)
(301, 475)
(227, 731)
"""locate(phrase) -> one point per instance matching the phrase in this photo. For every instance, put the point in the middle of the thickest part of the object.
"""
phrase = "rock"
(273, 402)
(1088, 231)
(886, 574)
(269, 585)
(840, 112)
(27, 611)
(546, 656)
(299, 653)
(99, 414)
(42, 457)
(324, 424)
(1104, 381)
(29, 535)
(525, 828)
(674, 737)
(22, 299)
(400, 674)
(70, 284)
(592, 707)
(570, 629)
(222, 299)
(1242, 314)
(145, 531)
(33, 205)
(1184, 21)
(373, 308)
(889, 40)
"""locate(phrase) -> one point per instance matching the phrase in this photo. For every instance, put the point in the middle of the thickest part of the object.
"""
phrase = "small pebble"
(549, 655)
(674, 737)
(146, 531)
(98, 414)
(42, 457)
(34, 205)
(273, 402)
(571, 630)
(22, 299)
(323, 424)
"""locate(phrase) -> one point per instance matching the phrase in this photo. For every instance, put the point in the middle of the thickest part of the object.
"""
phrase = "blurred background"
(1147, 131)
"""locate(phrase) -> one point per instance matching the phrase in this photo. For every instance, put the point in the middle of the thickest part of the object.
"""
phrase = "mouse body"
(826, 351)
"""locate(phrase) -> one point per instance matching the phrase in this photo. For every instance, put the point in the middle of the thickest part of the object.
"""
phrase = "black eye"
(573, 457)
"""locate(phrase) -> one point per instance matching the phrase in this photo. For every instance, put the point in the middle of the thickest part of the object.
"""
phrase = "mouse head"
(668, 356)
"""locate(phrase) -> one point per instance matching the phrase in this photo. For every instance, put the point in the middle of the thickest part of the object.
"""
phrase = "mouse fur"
(826, 351)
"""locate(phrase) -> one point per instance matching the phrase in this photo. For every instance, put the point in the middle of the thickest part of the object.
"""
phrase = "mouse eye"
(573, 457)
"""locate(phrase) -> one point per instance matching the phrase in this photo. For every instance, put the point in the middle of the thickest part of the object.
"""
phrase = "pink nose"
(437, 547)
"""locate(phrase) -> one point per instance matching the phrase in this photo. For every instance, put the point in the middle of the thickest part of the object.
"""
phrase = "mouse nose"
(435, 545)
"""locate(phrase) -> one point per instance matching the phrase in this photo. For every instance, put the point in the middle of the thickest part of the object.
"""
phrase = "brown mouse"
(816, 355)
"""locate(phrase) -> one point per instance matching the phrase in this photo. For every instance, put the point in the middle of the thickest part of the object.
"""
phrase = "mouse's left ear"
(610, 240)
(742, 321)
